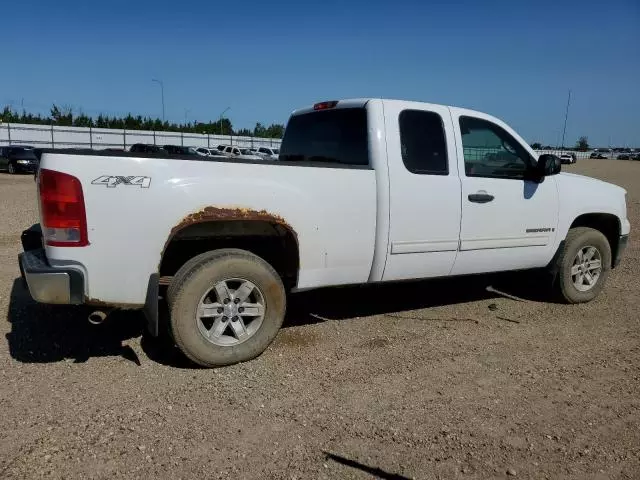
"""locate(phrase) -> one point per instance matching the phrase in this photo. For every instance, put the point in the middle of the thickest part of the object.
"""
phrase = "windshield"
(276, 151)
(23, 153)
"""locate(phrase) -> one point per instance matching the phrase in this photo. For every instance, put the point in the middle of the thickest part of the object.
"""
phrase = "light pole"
(224, 111)
(564, 130)
(159, 82)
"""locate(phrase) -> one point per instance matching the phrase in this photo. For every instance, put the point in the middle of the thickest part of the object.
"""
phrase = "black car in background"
(146, 148)
(180, 150)
(18, 159)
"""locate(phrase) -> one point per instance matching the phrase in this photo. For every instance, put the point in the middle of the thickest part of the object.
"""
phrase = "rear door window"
(333, 136)
(423, 144)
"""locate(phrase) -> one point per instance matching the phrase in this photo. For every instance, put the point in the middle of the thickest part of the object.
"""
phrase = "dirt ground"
(440, 379)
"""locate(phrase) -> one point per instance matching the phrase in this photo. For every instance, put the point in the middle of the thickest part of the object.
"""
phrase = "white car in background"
(241, 153)
(267, 152)
(568, 158)
(209, 152)
(202, 151)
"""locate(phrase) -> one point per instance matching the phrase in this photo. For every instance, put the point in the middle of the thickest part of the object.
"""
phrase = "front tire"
(12, 169)
(226, 307)
(584, 265)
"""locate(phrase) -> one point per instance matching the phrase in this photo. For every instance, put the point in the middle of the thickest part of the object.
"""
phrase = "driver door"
(508, 222)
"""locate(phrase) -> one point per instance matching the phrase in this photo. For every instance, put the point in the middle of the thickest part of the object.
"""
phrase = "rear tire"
(12, 169)
(226, 307)
(584, 265)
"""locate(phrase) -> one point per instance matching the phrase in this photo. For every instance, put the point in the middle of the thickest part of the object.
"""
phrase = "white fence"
(49, 136)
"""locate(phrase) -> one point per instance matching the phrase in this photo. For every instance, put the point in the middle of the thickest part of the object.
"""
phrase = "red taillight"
(325, 105)
(64, 221)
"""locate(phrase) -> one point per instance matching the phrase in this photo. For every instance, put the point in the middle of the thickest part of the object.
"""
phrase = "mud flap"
(554, 266)
(151, 304)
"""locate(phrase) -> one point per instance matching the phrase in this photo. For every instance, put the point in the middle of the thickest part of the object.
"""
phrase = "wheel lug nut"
(234, 319)
(236, 300)
(226, 300)
(224, 319)
(220, 309)
(241, 309)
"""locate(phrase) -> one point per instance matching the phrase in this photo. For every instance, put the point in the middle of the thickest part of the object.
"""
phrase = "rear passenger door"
(425, 203)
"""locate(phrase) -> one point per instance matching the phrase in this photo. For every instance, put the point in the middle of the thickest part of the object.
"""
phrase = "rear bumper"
(622, 246)
(46, 284)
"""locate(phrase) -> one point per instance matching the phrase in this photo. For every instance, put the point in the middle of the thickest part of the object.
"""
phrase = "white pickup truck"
(365, 190)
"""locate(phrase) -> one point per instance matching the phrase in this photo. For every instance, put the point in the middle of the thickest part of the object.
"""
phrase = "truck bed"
(135, 203)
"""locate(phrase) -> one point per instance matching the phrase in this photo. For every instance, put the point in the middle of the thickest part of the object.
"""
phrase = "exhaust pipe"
(97, 317)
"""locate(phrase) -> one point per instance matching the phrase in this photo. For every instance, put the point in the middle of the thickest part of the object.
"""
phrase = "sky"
(516, 60)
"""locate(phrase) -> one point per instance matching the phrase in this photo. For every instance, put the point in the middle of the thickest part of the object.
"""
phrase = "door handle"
(480, 197)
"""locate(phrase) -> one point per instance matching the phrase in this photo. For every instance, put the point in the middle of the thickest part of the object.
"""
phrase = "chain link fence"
(51, 136)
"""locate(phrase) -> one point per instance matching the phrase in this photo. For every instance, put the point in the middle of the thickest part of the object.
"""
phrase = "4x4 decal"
(112, 181)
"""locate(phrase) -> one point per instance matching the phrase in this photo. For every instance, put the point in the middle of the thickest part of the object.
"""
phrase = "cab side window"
(489, 151)
(423, 143)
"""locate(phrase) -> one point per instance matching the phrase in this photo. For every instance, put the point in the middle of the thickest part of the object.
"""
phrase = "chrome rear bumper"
(50, 285)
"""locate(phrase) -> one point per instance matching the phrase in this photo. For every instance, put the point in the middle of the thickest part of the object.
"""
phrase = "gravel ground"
(440, 379)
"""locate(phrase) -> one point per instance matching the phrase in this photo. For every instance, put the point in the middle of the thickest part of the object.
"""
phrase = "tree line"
(65, 117)
(582, 145)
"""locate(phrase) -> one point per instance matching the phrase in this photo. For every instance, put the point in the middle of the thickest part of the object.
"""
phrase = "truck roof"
(361, 102)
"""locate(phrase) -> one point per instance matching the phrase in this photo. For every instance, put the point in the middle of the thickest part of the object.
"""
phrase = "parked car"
(624, 156)
(366, 191)
(601, 154)
(267, 152)
(568, 158)
(180, 150)
(18, 159)
(241, 153)
(146, 148)
(210, 152)
(202, 151)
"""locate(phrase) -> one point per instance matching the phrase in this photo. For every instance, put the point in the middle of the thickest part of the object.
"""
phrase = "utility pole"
(566, 114)
(159, 82)
(224, 111)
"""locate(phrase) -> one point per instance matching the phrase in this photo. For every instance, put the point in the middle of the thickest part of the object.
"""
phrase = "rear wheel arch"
(272, 241)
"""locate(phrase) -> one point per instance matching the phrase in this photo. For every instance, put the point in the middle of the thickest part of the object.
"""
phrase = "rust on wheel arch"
(212, 214)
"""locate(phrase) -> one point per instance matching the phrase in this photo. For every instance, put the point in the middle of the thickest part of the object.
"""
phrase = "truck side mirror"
(548, 165)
